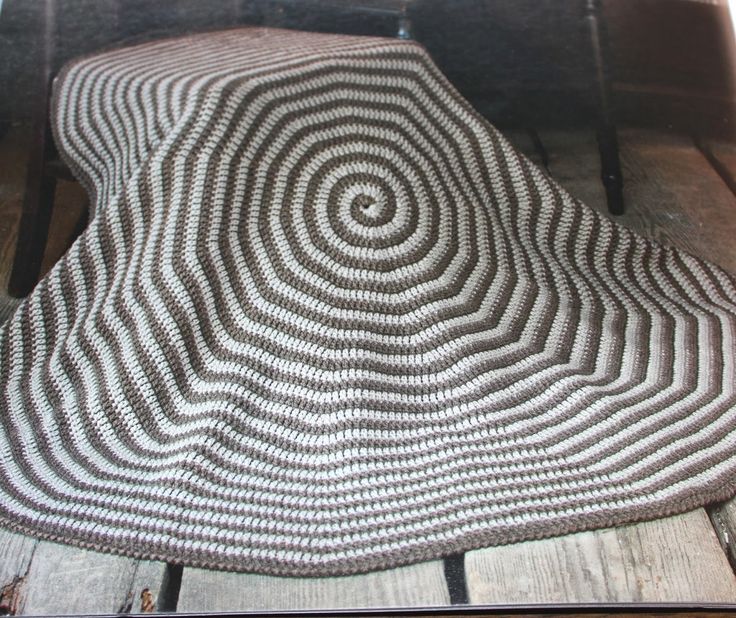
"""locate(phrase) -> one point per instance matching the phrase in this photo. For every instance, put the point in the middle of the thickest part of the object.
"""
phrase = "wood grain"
(668, 560)
(48, 578)
(417, 585)
(723, 517)
(722, 157)
(16, 553)
(574, 162)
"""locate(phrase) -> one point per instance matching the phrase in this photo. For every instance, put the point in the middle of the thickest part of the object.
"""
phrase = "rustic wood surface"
(16, 552)
(723, 518)
(48, 578)
(416, 585)
(722, 157)
(673, 559)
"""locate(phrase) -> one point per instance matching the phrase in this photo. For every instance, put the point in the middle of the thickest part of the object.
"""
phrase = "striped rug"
(326, 320)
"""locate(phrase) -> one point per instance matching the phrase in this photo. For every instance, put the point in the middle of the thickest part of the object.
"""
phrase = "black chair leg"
(38, 203)
(611, 169)
(40, 186)
(607, 140)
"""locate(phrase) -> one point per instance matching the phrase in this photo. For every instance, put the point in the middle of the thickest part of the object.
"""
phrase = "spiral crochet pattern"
(325, 320)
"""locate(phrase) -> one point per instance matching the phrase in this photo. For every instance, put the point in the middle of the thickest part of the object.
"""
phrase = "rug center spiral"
(369, 209)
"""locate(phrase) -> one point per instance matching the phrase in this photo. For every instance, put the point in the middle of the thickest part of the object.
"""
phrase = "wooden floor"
(678, 190)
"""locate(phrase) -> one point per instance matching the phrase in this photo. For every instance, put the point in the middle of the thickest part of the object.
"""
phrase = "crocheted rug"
(325, 320)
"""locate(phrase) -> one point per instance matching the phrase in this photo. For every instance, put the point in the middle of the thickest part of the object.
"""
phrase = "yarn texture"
(325, 320)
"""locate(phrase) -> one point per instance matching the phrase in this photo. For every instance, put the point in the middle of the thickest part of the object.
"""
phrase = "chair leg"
(40, 187)
(34, 223)
(611, 168)
(607, 140)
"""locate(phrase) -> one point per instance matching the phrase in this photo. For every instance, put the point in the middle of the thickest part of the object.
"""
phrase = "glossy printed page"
(577, 89)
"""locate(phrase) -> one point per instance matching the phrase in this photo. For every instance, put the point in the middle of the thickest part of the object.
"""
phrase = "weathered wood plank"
(48, 578)
(417, 585)
(722, 156)
(668, 560)
(672, 193)
(16, 553)
(145, 586)
(723, 517)
(574, 162)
